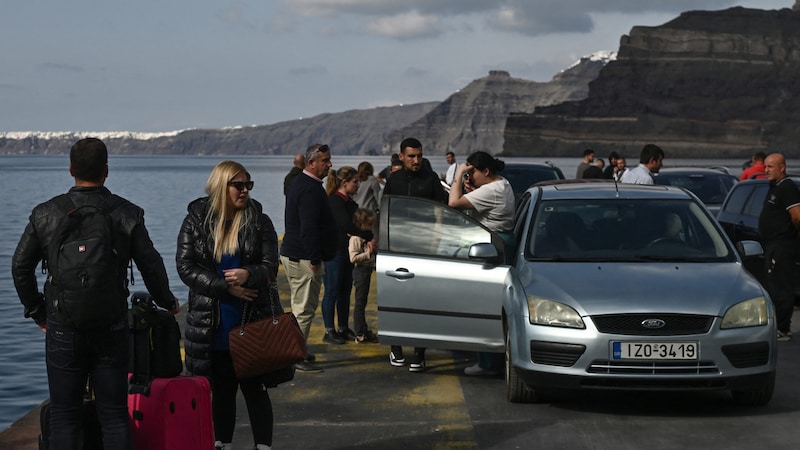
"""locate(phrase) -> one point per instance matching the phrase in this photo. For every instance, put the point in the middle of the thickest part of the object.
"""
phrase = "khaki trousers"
(304, 285)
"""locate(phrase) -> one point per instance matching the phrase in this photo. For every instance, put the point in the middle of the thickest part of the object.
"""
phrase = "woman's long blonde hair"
(224, 233)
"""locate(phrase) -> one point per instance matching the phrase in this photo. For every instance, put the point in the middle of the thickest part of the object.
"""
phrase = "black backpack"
(87, 284)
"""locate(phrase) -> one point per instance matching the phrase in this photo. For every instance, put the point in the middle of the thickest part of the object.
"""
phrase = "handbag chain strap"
(248, 309)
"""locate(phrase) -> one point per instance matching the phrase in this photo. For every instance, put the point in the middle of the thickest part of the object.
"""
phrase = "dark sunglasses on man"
(241, 185)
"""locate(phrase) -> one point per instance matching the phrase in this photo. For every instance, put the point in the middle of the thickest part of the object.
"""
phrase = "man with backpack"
(86, 239)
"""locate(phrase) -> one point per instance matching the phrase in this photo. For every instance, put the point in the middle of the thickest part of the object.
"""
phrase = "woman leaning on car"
(478, 187)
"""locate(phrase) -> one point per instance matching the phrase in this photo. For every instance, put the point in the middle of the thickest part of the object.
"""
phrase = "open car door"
(441, 278)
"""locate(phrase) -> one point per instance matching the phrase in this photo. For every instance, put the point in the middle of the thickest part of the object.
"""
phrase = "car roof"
(610, 190)
(691, 171)
(795, 178)
(546, 164)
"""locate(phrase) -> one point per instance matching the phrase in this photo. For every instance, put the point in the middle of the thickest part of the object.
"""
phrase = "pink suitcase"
(175, 414)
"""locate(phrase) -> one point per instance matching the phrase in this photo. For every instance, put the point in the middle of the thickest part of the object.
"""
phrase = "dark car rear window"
(521, 178)
(708, 188)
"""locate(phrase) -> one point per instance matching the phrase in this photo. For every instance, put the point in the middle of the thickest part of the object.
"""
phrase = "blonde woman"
(228, 255)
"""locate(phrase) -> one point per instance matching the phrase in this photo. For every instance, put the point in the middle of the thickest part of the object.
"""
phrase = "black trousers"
(780, 257)
(224, 386)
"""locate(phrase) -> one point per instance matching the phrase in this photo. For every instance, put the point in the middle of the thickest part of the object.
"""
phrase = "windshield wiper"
(670, 258)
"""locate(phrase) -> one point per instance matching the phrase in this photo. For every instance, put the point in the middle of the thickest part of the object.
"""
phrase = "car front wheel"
(757, 397)
(516, 389)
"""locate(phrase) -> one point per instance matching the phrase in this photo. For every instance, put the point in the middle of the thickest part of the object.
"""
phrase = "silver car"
(609, 286)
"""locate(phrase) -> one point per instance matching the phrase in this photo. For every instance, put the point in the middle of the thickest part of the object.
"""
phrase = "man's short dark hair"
(88, 158)
(650, 151)
(450, 154)
(760, 156)
(588, 152)
(409, 143)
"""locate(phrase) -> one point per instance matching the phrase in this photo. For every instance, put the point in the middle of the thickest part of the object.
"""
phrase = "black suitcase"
(155, 344)
(92, 437)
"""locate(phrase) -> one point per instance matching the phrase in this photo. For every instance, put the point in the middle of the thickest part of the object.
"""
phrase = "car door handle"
(400, 274)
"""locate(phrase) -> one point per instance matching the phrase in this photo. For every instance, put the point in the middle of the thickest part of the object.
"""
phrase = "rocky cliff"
(474, 118)
(707, 84)
(471, 119)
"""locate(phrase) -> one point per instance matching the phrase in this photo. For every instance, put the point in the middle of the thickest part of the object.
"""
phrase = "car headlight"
(554, 314)
(749, 313)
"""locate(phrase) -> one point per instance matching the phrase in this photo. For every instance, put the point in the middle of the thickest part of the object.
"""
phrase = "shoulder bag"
(266, 346)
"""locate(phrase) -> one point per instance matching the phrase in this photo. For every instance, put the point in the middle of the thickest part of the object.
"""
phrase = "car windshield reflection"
(431, 229)
(625, 230)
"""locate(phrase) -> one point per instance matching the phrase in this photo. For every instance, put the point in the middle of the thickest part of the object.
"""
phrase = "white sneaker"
(476, 370)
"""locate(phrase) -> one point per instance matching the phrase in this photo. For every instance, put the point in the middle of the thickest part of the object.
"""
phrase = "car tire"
(758, 397)
(516, 389)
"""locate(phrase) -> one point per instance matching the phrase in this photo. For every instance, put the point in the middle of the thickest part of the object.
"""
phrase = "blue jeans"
(72, 357)
(338, 281)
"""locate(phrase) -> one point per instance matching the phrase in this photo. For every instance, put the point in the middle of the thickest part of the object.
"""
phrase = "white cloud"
(527, 17)
(410, 25)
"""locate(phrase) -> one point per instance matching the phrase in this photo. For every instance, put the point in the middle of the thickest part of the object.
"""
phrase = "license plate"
(655, 350)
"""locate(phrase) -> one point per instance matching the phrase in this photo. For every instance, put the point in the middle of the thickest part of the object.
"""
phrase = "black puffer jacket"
(132, 241)
(258, 250)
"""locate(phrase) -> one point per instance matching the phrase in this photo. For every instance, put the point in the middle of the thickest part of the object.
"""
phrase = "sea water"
(163, 186)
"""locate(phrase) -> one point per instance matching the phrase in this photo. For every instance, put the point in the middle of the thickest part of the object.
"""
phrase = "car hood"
(623, 287)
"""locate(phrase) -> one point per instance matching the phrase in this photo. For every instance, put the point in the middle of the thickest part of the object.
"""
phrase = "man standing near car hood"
(778, 225)
(650, 161)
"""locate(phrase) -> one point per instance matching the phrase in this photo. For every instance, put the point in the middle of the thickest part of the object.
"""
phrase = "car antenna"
(616, 185)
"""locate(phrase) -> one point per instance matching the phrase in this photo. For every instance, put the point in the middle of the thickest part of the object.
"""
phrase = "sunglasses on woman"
(241, 185)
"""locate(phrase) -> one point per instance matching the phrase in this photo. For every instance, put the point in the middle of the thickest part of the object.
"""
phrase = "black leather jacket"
(258, 250)
(133, 241)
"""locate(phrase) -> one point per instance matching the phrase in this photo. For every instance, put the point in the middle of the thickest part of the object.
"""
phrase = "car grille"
(747, 355)
(610, 367)
(673, 324)
(555, 353)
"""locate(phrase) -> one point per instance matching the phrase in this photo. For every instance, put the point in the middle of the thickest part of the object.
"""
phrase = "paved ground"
(360, 402)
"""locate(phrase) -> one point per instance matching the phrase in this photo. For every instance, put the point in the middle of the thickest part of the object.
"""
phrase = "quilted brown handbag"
(267, 345)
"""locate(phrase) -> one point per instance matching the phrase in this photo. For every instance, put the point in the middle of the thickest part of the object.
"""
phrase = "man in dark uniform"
(778, 225)
(413, 181)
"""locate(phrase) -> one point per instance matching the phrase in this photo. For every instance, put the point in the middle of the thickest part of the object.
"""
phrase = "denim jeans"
(72, 357)
(338, 281)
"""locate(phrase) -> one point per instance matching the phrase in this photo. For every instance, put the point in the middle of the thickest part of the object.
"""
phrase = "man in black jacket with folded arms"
(76, 351)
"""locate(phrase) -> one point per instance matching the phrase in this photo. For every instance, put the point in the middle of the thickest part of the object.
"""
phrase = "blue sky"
(154, 66)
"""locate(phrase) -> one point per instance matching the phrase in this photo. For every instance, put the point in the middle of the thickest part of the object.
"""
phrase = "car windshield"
(629, 230)
(708, 188)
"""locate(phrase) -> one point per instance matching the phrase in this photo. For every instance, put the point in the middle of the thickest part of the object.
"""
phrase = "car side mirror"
(748, 249)
(484, 251)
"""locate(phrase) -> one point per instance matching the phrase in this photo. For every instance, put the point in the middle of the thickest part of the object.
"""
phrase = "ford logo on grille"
(653, 323)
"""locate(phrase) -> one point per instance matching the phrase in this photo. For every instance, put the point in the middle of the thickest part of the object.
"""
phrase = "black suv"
(739, 218)
(709, 185)
(521, 176)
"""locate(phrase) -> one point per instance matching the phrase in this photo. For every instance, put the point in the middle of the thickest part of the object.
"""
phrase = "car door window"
(756, 201)
(427, 228)
(737, 199)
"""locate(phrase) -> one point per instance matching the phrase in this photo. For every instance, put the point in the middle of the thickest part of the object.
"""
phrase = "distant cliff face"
(349, 132)
(707, 84)
(471, 119)
(474, 118)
